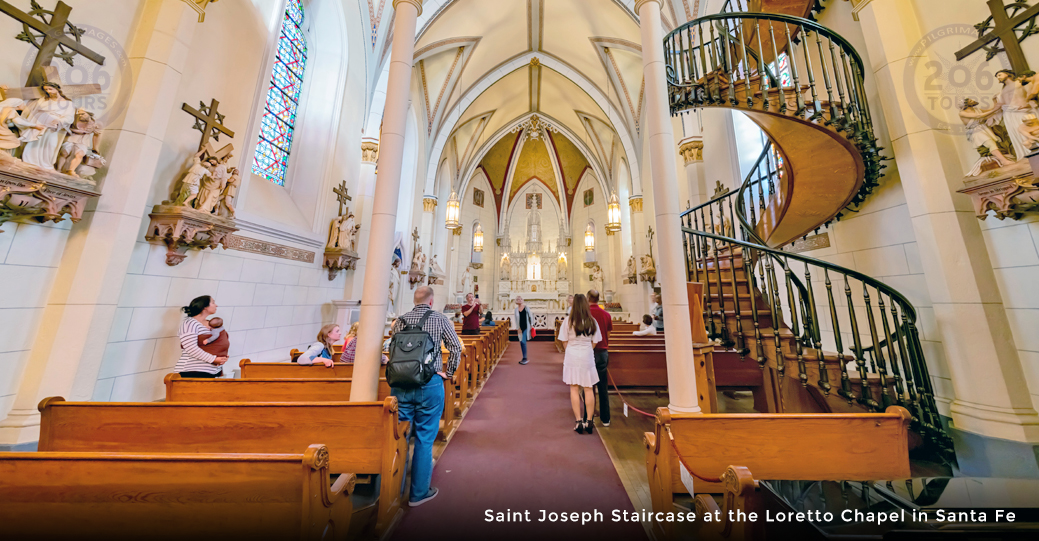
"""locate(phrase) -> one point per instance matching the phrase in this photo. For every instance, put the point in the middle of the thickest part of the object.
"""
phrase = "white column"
(681, 376)
(426, 230)
(691, 149)
(67, 351)
(363, 202)
(992, 397)
(384, 205)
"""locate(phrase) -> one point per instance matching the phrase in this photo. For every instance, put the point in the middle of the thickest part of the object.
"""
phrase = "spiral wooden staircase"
(851, 340)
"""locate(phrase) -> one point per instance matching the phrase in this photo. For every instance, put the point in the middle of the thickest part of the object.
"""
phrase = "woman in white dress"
(580, 333)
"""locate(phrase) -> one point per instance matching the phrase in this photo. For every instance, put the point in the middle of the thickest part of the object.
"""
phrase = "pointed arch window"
(271, 159)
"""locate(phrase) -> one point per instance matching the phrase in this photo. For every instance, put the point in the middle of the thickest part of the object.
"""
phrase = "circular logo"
(115, 78)
(936, 83)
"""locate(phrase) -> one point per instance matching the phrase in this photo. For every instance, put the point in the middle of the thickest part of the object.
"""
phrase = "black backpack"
(412, 353)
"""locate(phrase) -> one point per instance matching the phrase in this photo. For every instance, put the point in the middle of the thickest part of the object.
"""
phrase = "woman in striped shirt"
(195, 363)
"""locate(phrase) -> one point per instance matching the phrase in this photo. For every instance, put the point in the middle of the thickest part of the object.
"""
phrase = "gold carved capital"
(416, 3)
(635, 203)
(429, 204)
(370, 151)
(691, 150)
(457, 231)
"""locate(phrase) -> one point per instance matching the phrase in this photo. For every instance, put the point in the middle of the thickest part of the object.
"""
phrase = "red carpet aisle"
(516, 450)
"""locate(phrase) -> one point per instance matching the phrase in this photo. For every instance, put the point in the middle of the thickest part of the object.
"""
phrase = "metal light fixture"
(478, 239)
(613, 214)
(453, 212)
(589, 239)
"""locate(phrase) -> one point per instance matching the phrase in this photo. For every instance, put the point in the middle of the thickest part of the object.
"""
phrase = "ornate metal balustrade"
(778, 308)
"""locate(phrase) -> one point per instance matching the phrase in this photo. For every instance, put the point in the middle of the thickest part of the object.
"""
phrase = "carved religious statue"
(348, 229)
(191, 182)
(394, 288)
(226, 207)
(982, 138)
(418, 261)
(341, 250)
(649, 269)
(436, 273)
(598, 278)
(1014, 107)
(505, 270)
(200, 213)
(42, 125)
(466, 280)
(630, 271)
(561, 267)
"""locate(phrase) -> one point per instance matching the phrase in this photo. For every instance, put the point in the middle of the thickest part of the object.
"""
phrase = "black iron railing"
(776, 64)
(769, 303)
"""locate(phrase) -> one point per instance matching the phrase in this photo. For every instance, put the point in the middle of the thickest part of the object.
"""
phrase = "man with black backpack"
(416, 377)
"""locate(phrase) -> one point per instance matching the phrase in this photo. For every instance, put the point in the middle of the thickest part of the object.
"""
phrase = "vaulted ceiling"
(484, 67)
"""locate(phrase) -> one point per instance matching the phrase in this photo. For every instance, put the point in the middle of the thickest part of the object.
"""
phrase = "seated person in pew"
(351, 334)
(217, 343)
(488, 319)
(646, 328)
(194, 362)
(322, 349)
(350, 351)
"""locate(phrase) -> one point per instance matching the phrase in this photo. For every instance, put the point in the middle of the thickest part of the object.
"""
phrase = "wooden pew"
(249, 369)
(99, 495)
(362, 437)
(638, 367)
(180, 389)
(834, 447)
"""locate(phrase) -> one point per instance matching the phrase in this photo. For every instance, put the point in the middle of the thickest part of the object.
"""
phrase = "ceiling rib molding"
(617, 117)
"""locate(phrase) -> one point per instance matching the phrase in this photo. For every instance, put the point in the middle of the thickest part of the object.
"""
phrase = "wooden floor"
(623, 438)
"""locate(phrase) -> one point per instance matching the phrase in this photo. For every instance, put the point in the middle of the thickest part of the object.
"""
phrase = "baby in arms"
(217, 343)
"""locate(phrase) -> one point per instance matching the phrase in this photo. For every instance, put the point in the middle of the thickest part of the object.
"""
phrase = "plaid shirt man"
(441, 330)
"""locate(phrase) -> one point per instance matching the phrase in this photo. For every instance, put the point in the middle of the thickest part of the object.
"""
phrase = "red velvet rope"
(608, 374)
(682, 461)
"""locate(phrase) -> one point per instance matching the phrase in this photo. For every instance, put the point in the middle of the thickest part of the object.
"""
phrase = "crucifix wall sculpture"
(1003, 26)
(56, 37)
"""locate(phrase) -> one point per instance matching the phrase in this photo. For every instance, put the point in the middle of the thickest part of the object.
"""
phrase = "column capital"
(370, 151)
(691, 150)
(635, 202)
(640, 3)
(429, 203)
(416, 3)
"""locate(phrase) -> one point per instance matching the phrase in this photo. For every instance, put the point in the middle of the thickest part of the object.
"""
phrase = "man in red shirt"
(471, 315)
(602, 355)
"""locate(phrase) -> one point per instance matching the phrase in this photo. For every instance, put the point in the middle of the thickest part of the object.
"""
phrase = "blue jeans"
(423, 407)
(523, 343)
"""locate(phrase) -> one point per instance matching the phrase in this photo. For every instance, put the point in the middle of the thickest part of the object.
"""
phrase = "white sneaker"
(606, 423)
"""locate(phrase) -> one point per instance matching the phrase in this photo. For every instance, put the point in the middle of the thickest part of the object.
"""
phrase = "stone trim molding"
(691, 150)
(256, 246)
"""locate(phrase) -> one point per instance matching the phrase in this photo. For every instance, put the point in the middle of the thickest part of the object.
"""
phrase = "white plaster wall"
(1012, 250)
(29, 253)
(29, 256)
(269, 306)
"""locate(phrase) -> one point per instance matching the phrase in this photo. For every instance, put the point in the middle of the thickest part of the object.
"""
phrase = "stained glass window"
(786, 77)
(271, 159)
